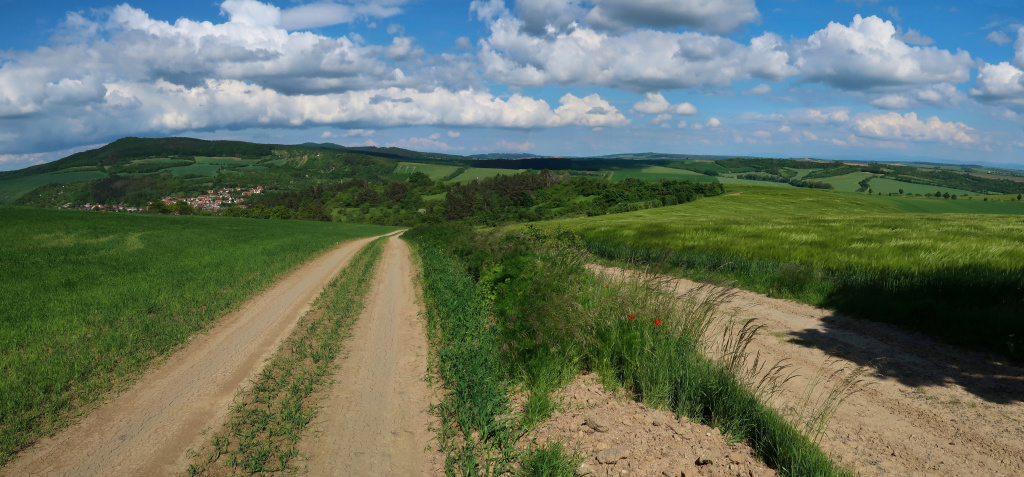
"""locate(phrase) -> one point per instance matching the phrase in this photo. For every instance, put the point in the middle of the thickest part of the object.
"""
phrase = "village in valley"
(214, 200)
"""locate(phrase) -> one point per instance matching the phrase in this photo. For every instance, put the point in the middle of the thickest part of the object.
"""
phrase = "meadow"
(889, 186)
(655, 173)
(474, 173)
(91, 299)
(908, 261)
(434, 171)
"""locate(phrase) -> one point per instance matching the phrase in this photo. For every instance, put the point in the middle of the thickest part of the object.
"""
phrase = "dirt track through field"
(147, 429)
(375, 419)
(928, 408)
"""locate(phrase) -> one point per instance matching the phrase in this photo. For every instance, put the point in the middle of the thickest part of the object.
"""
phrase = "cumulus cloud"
(720, 16)
(454, 134)
(641, 60)
(869, 54)
(655, 103)
(998, 37)
(907, 127)
(759, 89)
(129, 74)
(1002, 83)
(359, 133)
(914, 37)
(940, 94)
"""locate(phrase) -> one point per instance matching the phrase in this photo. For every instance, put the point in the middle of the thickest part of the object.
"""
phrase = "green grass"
(157, 160)
(225, 161)
(747, 182)
(204, 170)
(434, 171)
(655, 173)
(862, 255)
(266, 423)
(700, 166)
(90, 299)
(473, 173)
(889, 186)
(846, 182)
(12, 189)
(465, 348)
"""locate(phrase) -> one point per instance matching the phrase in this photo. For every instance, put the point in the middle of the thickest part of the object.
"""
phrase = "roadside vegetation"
(957, 277)
(265, 425)
(90, 300)
(518, 312)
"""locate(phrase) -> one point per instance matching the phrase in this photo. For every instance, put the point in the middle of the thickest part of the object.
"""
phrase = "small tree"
(183, 208)
(1019, 196)
(901, 191)
(946, 195)
(159, 207)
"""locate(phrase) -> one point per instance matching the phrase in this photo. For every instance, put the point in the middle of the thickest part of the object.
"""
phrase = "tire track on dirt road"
(148, 429)
(375, 419)
(928, 408)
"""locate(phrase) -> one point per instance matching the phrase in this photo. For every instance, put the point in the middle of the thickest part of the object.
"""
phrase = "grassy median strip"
(475, 434)
(266, 423)
(90, 300)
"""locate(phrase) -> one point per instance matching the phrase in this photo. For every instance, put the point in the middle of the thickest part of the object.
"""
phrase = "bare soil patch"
(618, 436)
(928, 408)
(376, 418)
(147, 429)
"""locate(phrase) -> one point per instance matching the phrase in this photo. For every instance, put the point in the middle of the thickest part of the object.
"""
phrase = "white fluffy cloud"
(907, 127)
(128, 74)
(1002, 83)
(640, 60)
(869, 54)
(998, 37)
(655, 103)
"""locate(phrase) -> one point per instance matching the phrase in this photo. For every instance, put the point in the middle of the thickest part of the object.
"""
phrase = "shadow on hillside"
(916, 360)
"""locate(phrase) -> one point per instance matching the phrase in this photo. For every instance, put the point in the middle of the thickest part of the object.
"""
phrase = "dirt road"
(928, 409)
(375, 419)
(148, 429)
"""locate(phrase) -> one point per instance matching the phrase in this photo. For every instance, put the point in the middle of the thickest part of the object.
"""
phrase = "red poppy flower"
(606, 286)
(657, 322)
(631, 317)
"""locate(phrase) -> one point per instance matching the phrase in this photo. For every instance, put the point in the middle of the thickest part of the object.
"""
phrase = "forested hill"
(126, 150)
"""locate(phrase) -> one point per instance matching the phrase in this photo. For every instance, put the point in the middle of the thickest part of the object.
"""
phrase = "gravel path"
(148, 429)
(375, 419)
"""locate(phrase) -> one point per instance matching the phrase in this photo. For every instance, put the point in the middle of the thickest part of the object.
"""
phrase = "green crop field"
(90, 299)
(747, 182)
(156, 160)
(204, 170)
(434, 171)
(898, 259)
(848, 182)
(700, 166)
(11, 189)
(655, 173)
(225, 161)
(474, 173)
(889, 186)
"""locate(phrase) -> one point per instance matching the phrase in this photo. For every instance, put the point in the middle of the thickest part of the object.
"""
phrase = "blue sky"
(846, 79)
